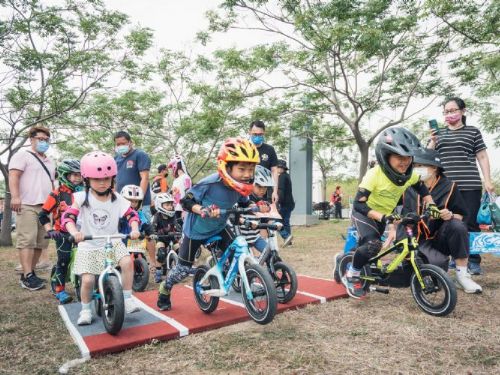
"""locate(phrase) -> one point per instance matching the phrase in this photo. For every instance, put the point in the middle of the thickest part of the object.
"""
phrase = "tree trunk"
(5, 234)
(323, 188)
(363, 150)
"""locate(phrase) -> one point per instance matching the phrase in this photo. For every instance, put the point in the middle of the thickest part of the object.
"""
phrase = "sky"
(175, 24)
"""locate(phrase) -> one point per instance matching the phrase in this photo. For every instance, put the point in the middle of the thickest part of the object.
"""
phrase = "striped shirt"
(458, 149)
(250, 234)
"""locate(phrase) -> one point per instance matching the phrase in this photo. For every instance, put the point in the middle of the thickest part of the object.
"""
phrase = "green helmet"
(66, 167)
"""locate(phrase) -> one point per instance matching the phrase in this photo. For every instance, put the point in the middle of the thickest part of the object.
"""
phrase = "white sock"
(461, 270)
(86, 306)
(127, 294)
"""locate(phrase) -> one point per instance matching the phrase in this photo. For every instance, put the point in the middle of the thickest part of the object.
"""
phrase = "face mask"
(42, 146)
(424, 173)
(122, 150)
(453, 119)
(257, 139)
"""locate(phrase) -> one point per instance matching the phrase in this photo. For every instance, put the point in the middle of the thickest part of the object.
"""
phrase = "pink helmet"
(174, 164)
(98, 164)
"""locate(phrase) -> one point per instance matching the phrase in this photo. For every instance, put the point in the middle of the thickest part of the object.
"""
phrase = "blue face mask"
(257, 139)
(122, 150)
(42, 147)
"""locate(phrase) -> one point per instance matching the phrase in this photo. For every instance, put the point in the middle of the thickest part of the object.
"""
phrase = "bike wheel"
(172, 259)
(262, 307)
(113, 313)
(440, 295)
(343, 265)
(237, 284)
(285, 281)
(141, 275)
(206, 303)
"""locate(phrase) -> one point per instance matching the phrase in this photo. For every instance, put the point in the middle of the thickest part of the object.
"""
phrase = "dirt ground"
(385, 334)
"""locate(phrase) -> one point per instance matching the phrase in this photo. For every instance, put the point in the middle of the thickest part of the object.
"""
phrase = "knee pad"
(370, 249)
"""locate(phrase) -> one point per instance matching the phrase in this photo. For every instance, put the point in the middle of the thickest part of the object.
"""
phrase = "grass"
(382, 334)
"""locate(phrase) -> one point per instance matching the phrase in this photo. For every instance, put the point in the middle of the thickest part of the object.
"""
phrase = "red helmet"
(236, 150)
(98, 164)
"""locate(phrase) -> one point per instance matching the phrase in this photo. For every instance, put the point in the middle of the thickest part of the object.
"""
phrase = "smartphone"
(433, 125)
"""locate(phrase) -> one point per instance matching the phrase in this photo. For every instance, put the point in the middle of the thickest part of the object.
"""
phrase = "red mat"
(185, 317)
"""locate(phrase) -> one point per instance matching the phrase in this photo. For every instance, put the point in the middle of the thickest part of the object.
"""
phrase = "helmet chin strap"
(104, 193)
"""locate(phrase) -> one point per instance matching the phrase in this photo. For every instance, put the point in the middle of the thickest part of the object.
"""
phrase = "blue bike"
(258, 289)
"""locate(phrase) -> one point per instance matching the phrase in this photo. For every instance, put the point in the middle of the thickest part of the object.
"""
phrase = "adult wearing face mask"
(31, 180)
(267, 154)
(448, 234)
(459, 146)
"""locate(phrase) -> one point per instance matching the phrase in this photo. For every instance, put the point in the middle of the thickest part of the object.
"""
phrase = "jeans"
(285, 213)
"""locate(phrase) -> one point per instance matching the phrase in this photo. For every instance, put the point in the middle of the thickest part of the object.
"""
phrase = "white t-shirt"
(99, 218)
(179, 187)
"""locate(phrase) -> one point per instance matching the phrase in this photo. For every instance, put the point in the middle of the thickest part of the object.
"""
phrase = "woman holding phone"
(459, 146)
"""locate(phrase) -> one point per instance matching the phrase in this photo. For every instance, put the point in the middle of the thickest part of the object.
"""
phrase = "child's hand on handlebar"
(78, 236)
(212, 211)
(54, 234)
(134, 235)
(434, 211)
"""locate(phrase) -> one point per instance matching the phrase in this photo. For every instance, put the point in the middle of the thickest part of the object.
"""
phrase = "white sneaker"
(131, 306)
(464, 281)
(85, 317)
(288, 241)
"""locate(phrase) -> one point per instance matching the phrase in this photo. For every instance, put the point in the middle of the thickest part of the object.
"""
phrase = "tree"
(357, 61)
(475, 60)
(52, 58)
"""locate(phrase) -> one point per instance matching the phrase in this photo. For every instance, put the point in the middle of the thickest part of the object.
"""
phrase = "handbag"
(495, 213)
(484, 213)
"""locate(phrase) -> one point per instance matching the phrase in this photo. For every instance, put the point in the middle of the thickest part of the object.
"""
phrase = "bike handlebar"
(156, 237)
(122, 236)
(413, 218)
(239, 210)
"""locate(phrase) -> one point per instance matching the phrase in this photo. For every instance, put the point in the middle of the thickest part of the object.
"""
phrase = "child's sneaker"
(474, 268)
(355, 287)
(64, 297)
(131, 306)
(85, 317)
(158, 275)
(465, 282)
(31, 282)
(163, 302)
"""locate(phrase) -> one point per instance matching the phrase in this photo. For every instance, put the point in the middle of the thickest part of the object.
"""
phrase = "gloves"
(54, 234)
(207, 211)
(389, 219)
(434, 211)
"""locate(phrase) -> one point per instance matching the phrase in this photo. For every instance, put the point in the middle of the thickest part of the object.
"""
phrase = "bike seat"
(212, 240)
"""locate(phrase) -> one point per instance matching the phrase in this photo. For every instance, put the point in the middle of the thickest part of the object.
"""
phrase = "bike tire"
(261, 285)
(442, 283)
(141, 275)
(236, 284)
(207, 304)
(114, 314)
(285, 281)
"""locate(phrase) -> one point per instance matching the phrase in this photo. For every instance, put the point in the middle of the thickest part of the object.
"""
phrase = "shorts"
(30, 233)
(92, 261)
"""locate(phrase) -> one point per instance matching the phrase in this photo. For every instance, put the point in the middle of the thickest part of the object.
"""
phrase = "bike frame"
(109, 266)
(242, 255)
(410, 247)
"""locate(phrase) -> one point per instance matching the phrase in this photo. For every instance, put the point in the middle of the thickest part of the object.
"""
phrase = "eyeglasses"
(451, 111)
(43, 139)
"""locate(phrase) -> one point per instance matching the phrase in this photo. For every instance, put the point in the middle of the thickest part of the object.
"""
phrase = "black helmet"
(397, 141)
(428, 157)
(282, 164)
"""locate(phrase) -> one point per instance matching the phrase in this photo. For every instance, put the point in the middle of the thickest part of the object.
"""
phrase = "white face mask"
(424, 173)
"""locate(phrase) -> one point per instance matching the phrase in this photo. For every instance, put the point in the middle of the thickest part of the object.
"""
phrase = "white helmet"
(163, 198)
(263, 177)
(132, 192)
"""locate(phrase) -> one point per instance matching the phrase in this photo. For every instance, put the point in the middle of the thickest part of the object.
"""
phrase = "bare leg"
(87, 287)
(36, 256)
(127, 272)
(150, 246)
(44, 258)
(26, 258)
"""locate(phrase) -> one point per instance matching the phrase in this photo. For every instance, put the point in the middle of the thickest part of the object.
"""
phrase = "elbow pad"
(69, 216)
(360, 200)
(188, 202)
(43, 217)
(131, 215)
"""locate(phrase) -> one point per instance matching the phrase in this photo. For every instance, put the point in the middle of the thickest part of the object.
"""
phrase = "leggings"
(63, 258)
(369, 244)
(187, 252)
